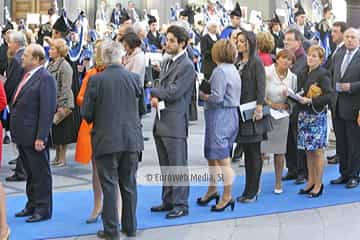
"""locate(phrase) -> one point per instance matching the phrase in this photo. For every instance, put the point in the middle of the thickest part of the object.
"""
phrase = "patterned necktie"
(345, 63)
(21, 85)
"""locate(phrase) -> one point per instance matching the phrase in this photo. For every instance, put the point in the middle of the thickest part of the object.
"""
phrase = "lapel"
(353, 61)
(28, 84)
(172, 68)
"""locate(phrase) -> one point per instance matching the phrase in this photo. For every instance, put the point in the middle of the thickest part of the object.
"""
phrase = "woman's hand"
(258, 114)
(279, 106)
(305, 100)
(358, 119)
(203, 96)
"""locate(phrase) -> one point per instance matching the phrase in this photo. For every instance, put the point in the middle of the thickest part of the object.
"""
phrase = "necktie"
(169, 65)
(21, 85)
(345, 63)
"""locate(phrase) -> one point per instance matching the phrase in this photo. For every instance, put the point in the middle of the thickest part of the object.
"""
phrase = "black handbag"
(205, 86)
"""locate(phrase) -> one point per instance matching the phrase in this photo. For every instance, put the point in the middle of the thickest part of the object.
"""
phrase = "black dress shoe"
(331, 157)
(104, 235)
(128, 234)
(15, 178)
(6, 140)
(37, 218)
(352, 183)
(24, 213)
(340, 180)
(300, 180)
(288, 177)
(162, 208)
(177, 212)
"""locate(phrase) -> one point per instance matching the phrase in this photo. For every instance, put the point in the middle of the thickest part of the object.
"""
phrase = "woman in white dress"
(279, 79)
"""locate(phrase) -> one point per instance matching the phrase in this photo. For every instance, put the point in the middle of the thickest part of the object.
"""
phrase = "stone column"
(353, 13)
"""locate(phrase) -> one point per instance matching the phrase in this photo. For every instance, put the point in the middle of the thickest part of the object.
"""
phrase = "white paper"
(278, 114)
(161, 106)
(154, 57)
(33, 18)
(247, 106)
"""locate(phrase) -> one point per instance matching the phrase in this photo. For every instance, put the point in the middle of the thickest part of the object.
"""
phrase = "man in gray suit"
(171, 97)
(346, 75)
(116, 138)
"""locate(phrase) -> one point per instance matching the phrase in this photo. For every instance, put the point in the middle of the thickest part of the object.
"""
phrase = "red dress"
(3, 104)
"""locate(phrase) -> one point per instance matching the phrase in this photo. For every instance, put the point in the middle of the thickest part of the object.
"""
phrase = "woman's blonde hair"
(98, 56)
(224, 51)
(265, 42)
(319, 50)
(60, 46)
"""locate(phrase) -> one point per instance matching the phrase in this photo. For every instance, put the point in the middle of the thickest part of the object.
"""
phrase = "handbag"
(314, 91)
(205, 86)
(59, 117)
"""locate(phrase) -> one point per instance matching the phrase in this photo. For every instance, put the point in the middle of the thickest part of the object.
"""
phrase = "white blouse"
(275, 87)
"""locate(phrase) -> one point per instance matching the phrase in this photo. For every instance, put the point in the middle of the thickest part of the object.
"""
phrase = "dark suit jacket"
(3, 58)
(321, 77)
(329, 61)
(348, 103)
(175, 88)
(111, 104)
(279, 41)
(33, 110)
(14, 74)
(208, 64)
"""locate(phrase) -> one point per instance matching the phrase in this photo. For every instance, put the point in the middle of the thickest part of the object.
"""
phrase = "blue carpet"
(72, 208)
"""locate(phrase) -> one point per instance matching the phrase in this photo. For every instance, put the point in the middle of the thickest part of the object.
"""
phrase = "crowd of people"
(264, 92)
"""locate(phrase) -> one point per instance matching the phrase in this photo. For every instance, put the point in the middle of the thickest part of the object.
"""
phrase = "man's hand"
(358, 119)
(154, 102)
(39, 145)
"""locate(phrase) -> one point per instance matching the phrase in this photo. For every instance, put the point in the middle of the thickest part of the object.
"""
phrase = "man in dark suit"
(295, 159)
(347, 77)
(32, 110)
(117, 138)
(337, 36)
(14, 74)
(171, 97)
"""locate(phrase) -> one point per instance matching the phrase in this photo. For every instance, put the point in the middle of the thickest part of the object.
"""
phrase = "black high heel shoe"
(202, 202)
(93, 219)
(305, 191)
(231, 203)
(315, 195)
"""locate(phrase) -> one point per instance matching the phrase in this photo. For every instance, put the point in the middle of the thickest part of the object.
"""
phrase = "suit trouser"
(333, 119)
(172, 152)
(253, 168)
(295, 158)
(348, 144)
(39, 180)
(118, 168)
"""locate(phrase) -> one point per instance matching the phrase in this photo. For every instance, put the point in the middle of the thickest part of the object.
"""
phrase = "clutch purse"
(59, 117)
(314, 91)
